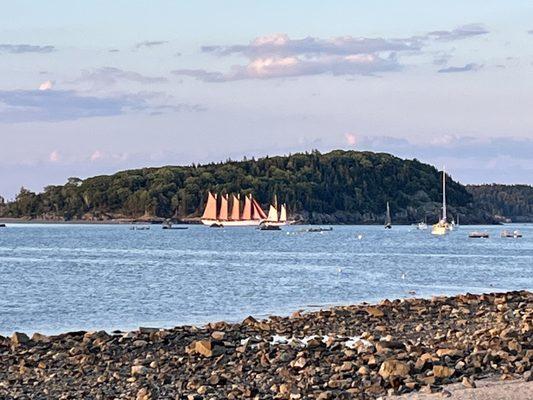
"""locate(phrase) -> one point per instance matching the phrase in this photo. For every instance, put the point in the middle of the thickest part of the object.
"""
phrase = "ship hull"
(251, 222)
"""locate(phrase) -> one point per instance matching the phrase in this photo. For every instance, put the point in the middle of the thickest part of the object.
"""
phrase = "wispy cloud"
(268, 68)
(149, 43)
(461, 32)
(63, 105)
(280, 45)
(25, 48)
(279, 56)
(464, 68)
(107, 76)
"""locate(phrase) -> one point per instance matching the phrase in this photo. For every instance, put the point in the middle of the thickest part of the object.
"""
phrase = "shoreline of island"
(372, 350)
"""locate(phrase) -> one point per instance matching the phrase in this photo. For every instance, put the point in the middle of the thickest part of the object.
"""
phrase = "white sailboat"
(388, 220)
(276, 218)
(442, 227)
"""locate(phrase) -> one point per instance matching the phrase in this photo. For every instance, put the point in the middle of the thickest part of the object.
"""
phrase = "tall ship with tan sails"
(220, 213)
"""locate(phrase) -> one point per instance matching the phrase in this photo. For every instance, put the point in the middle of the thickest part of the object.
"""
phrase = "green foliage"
(513, 202)
(340, 186)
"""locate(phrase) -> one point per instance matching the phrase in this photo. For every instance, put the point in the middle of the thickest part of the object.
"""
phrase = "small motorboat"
(140, 228)
(216, 225)
(168, 225)
(422, 226)
(3, 226)
(509, 234)
(268, 227)
(478, 235)
(319, 229)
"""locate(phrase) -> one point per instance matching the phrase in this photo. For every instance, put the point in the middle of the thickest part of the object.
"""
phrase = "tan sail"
(272, 214)
(257, 212)
(210, 211)
(236, 209)
(247, 212)
(223, 213)
(283, 213)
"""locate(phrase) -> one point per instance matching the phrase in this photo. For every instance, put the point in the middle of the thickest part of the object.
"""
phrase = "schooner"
(221, 214)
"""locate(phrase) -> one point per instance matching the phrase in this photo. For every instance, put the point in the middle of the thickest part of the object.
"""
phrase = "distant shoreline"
(184, 222)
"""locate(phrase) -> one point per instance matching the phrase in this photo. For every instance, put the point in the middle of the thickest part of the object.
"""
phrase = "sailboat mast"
(444, 217)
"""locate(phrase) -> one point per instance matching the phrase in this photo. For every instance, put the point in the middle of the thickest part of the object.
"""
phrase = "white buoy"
(403, 276)
(360, 237)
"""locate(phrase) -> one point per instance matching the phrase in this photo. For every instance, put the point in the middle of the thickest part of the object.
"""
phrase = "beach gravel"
(443, 346)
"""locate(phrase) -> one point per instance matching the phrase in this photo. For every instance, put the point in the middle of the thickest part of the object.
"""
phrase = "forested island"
(336, 187)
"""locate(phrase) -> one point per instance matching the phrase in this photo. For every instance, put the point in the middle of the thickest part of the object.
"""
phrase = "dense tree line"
(340, 186)
(514, 202)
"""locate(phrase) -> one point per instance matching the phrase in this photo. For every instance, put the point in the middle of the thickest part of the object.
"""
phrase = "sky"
(89, 88)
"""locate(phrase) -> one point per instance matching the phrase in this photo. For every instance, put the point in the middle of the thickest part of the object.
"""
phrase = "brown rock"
(393, 368)
(374, 312)
(441, 371)
(218, 335)
(19, 338)
(139, 370)
(208, 348)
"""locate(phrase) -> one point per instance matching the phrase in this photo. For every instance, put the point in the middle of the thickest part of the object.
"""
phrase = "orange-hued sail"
(236, 209)
(223, 213)
(210, 211)
(258, 213)
(247, 212)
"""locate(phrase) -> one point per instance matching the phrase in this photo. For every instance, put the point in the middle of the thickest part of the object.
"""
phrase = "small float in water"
(478, 235)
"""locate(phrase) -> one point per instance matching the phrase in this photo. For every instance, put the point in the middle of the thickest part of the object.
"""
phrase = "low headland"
(349, 352)
(339, 187)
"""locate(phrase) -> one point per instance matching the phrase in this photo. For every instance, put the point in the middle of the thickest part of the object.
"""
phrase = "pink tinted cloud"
(351, 139)
(54, 156)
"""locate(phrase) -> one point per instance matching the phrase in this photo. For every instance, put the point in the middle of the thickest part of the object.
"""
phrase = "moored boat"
(442, 227)
(509, 234)
(478, 235)
(388, 220)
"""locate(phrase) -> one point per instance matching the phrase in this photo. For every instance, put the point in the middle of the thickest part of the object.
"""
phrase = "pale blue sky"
(138, 83)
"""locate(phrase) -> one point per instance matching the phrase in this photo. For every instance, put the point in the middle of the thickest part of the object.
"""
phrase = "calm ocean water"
(55, 278)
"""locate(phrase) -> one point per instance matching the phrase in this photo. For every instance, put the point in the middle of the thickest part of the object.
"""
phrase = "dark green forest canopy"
(514, 202)
(340, 186)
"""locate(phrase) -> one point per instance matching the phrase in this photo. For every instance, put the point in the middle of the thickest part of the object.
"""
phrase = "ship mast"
(444, 217)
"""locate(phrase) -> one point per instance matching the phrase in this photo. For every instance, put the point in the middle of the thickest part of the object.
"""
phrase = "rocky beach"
(352, 352)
